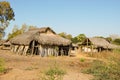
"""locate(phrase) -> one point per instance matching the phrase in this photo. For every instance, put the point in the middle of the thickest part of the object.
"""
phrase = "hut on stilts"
(40, 41)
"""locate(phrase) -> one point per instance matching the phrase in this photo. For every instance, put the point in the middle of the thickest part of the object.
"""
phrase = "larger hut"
(96, 45)
(40, 41)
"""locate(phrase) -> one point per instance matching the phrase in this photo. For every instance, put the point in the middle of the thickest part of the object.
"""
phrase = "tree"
(79, 38)
(6, 15)
(16, 31)
(65, 35)
(75, 40)
(116, 41)
(109, 39)
(114, 36)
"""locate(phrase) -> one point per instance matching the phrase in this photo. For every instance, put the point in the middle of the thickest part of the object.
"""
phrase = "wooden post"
(107, 48)
(20, 50)
(69, 52)
(52, 51)
(100, 49)
(62, 52)
(40, 50)
(87, 45)
(16, 48)
(32, 51)
(48, 51)
(91, 49)
(25, 50)
(12, 48)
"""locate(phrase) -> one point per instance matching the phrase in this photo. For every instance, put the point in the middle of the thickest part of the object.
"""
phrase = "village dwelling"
(96, 45)
(73, 50)
(5, 44)
(40, 41)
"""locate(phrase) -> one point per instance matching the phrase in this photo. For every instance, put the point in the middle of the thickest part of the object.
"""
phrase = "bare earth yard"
(33, 67)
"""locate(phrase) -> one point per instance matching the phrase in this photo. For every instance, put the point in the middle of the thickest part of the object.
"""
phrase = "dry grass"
(32, 68)
(105, 67)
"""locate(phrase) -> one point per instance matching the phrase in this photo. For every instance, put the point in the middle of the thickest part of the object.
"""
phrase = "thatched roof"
(98, 42)
(7, 43)
(42, 30)
(41, 36)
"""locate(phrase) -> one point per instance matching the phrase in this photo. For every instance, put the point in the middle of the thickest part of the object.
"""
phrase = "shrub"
(2, 68)
(82, 59)
(54, 73)
(103, 71)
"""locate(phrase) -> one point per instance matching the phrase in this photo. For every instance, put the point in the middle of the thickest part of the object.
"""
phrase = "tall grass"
(105, 70)
(2, 66)
(116, 51)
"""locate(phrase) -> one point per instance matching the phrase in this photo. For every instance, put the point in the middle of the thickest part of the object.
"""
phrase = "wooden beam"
(20, 50)
(25, 50)
(32, 49)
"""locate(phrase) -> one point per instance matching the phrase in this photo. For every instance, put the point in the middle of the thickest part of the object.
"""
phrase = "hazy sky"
(91, 17)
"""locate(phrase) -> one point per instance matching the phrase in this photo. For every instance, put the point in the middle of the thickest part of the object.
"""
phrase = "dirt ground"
(33, 67)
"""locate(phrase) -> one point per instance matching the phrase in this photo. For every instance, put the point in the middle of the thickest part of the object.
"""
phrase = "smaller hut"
(96, 45)
(5, 44)
(73, 50)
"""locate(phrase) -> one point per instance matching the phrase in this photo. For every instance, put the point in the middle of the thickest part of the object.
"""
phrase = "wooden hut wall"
(47, 50)
(42, 50)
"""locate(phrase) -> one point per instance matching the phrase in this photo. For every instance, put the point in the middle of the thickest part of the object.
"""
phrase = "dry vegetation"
(36, 67)
(103, 66)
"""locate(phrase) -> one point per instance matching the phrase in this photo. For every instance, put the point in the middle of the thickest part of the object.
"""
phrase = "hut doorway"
(33, 48)
(63, 50)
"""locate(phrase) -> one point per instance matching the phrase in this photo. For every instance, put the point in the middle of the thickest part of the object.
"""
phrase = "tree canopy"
(116, 41)
(79, 38)
(65, 35)
(76, 39)
(16, 31)
(6, 15)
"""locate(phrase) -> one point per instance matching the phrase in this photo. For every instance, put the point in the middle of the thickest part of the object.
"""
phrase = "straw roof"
(98, 42)
(7, 43)
(41, 36)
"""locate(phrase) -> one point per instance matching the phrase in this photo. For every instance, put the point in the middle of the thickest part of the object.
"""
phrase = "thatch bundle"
(45, 36)
(98, 42)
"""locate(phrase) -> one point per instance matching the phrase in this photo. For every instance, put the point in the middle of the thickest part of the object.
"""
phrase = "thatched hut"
(1, 42)
(43, 41)
(5, 44)
(96, 45)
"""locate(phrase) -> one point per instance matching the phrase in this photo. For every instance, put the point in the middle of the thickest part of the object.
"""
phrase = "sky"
(89, 17)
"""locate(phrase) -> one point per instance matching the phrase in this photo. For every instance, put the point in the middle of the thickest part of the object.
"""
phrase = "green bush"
(2, 67)
(103, 71)
(82, 59)
(54, 73)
